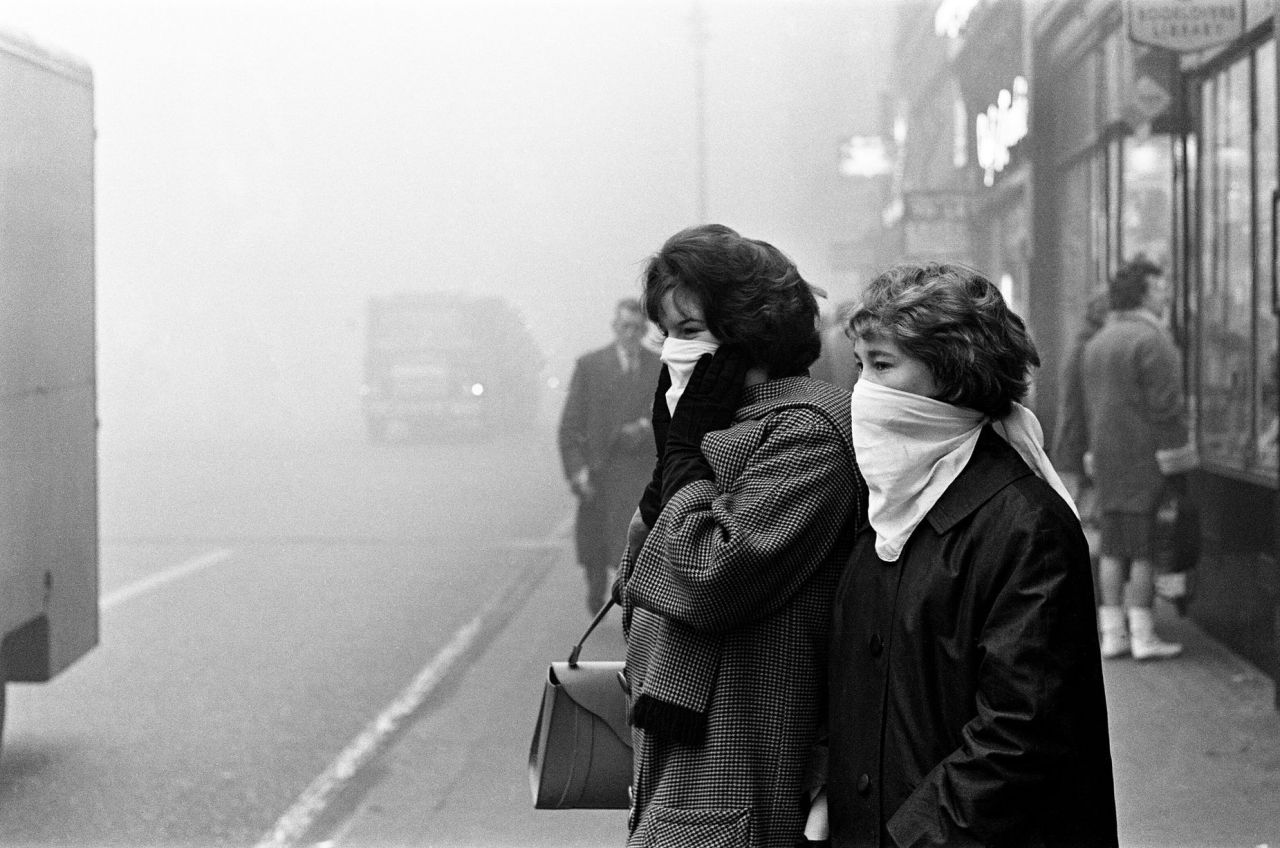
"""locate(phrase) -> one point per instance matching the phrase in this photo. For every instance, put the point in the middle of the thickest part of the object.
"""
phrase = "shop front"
(1165, 150)
(991, 69)
(1103, 185)
(1229, 168)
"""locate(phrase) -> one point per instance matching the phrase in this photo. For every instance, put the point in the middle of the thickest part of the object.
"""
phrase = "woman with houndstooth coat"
(735, 551)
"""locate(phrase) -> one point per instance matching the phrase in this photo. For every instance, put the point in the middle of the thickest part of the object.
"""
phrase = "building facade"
(1098, 131)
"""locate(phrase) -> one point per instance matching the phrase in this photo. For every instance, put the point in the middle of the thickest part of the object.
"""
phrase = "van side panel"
(48, 419)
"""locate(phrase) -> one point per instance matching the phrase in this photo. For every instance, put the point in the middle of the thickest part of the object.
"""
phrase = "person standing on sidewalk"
(1071, 438)
(1138, 443)
(735, 551)
(966, 695)
(606, 443)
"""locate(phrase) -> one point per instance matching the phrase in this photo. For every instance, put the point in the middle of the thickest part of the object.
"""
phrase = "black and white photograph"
(639, 423)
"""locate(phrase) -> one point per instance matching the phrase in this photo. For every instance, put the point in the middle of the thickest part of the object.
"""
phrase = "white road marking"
(299, 818)
(160, 578)
(295, 822)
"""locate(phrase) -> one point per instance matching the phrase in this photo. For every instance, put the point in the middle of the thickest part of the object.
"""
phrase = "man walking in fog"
(606, 443)
(1138, 444)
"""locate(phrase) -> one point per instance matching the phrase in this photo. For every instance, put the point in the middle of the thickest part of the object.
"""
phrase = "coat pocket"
(669, 827)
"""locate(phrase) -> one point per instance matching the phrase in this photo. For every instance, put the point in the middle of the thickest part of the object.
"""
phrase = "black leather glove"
(709, 403)
(660, 416)
(651, 499)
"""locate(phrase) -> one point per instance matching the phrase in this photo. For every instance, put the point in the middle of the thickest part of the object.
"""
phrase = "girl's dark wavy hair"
(751, 294)
(956, 321)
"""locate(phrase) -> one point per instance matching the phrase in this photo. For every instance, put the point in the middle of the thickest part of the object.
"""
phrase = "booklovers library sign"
(1185, 26)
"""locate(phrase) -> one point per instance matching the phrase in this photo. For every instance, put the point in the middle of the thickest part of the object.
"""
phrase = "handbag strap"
(577, 649)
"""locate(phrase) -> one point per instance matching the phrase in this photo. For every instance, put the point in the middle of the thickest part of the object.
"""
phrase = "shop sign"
(1185, 26)
(865, 156)
(998, 129)
(1152, 92)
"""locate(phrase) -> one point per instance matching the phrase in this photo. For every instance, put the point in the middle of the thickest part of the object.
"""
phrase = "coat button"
(876, 645)
(864, 784)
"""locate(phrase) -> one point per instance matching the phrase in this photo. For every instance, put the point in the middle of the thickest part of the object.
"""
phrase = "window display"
(1265, 400)
(1236, 350)
(1148, 201)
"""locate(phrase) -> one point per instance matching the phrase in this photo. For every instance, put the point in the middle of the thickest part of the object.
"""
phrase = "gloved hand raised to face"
(651, 499)
(660, 416)
(709, 403)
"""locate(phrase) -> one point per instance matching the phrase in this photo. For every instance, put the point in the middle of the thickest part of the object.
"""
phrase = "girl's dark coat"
(967, 703)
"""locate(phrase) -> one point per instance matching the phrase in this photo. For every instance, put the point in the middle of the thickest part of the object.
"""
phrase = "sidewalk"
(1196, 746)
(1195, 740)
(458, 776)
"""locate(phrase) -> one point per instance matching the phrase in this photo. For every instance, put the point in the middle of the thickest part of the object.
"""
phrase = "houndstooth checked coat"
(728, 606)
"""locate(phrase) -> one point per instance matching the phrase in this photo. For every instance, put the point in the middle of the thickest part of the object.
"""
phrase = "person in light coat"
(1138, 444)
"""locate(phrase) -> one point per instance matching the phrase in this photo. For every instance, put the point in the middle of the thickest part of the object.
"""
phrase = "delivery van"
(48, 419)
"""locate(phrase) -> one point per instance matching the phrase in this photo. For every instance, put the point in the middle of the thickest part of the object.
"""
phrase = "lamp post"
(698, 31)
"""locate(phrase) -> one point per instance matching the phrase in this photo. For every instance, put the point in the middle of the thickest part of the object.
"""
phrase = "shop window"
(1266, 403)
(1236, 339)
(1148, 199)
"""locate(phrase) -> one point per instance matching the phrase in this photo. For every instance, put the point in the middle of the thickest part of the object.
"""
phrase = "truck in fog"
(440, 361)
(48, 418)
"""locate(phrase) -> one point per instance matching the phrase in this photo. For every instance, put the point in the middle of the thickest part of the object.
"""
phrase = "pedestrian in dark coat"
(606, 443)
(1071, 438)
(967, 703)
(727, 598)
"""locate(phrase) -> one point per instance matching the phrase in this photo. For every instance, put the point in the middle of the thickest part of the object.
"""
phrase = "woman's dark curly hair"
(955, 321)
(751, 294)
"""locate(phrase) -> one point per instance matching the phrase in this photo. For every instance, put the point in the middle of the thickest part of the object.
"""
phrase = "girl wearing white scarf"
(911, 448)
(965, 675)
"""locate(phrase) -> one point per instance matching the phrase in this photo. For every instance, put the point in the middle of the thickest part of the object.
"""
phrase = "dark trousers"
(601, 532)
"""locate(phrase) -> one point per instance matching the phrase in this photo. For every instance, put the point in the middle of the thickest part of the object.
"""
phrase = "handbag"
(1177, 544)
(580, 757)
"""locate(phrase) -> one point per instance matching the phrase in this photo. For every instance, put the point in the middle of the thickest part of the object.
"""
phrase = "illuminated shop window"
(1265, 367)
(1236, 348)
(1148, 199)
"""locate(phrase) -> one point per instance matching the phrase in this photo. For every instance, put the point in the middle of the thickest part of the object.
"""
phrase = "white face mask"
(680, 356)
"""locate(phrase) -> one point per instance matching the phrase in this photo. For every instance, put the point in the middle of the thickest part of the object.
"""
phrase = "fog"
(264, 167)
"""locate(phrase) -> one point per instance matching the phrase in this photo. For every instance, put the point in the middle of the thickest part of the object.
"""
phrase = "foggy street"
(317, 315)
(261, 604)
(266, 603)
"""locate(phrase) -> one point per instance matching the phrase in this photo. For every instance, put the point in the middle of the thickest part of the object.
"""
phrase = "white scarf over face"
(911, 448)
(680, 356)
